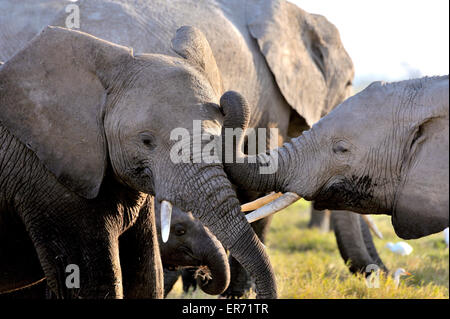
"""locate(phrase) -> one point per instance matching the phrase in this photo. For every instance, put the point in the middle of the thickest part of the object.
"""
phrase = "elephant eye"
(341, 147)
(148, 140)
(179, 230)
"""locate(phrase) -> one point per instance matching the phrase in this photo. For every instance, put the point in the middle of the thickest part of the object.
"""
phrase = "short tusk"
(369, 221)
(257, 203)
(278, 204)
(166, 215)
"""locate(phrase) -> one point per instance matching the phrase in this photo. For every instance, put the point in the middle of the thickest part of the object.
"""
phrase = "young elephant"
(192, 245)
(382, 151)
(85, 131)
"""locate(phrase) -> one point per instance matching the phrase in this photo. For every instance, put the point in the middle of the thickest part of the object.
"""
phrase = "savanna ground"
(308, 265)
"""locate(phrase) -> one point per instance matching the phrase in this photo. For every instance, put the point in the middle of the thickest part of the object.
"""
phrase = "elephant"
(84, 137)
(190, 248)
(191, 245)
(289, 64)
(392, 159)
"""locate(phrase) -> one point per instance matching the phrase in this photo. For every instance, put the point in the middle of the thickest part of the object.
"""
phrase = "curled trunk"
(248, 171)
(215, 258)
(215, 204)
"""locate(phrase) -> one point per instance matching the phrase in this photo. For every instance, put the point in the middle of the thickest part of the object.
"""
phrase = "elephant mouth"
(342, 192)
(189, 260)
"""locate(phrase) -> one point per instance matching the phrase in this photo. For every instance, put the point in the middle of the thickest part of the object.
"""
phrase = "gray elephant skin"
(289, 64)
(191, 250)
(83, 136)
(393, 159)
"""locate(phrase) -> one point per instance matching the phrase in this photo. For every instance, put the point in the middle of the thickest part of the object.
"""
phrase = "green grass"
(308, 265)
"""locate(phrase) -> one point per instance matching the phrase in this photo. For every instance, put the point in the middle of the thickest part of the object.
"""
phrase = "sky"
(390, 39)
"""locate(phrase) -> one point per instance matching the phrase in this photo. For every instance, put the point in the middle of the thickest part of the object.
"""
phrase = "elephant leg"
(170, 278)
(19, 266)
(140, 259)
(78, 250)
(354, 241)
(370, 246)
(320, 219)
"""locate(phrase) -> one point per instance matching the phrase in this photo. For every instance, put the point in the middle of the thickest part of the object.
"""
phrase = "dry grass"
(308, 265)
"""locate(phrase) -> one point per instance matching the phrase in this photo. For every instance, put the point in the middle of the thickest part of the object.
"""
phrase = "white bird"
(398, 273)
(400, 248)
(446, 236)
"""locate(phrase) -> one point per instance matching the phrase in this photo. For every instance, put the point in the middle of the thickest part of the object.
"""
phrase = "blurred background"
(390, 40)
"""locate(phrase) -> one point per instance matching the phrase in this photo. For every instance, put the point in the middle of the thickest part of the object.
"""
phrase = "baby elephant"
(190, 244)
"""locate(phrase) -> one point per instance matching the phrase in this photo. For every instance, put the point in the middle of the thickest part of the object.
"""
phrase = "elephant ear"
(52, 95)
(422, 202)
(294, 44)
(190, 43)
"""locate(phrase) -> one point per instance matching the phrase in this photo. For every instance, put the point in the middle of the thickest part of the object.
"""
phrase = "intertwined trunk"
(249, 171)
(205, 190)
(224, 219)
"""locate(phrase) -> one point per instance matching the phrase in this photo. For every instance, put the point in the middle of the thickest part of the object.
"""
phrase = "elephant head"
(88, 108)
(192, 245)
(384, 150)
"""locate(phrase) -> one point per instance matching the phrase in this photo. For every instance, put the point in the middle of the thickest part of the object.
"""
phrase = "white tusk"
(278, 204)
(257, 203)
(369, 221)
(166, 215)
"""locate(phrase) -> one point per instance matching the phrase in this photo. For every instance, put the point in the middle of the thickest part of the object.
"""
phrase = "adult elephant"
(290, 65)
(84, 134)
(384, 151)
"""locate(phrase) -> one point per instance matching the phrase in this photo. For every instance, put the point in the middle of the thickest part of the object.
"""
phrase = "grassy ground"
(308, 265)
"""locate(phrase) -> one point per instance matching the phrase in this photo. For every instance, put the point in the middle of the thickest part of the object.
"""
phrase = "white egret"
(398, 273)
(400, 248)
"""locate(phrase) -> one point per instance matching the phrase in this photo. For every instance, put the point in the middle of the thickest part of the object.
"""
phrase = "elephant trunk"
(263, 172)
(222, 215)
(213, 256)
